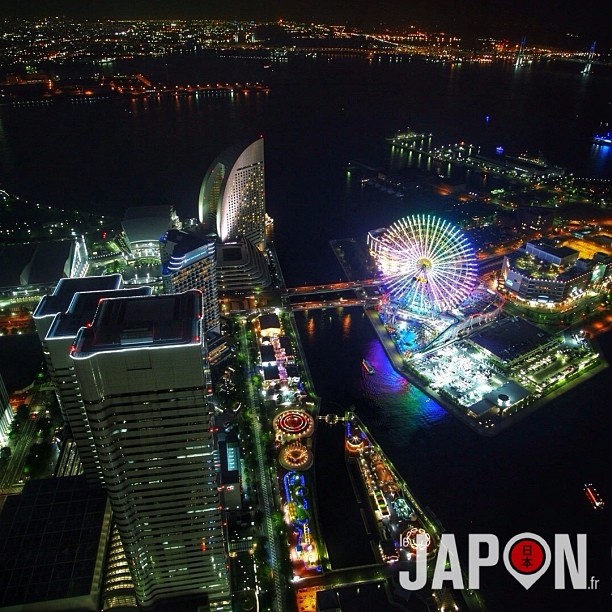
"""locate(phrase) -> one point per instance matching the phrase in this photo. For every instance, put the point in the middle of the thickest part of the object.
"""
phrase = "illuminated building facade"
(141, 371)
(232, 197)
(542, 272)
(118, 586)
(144, 225)
(241, 267)
(6, 414)
(189, 262)
(58, 318)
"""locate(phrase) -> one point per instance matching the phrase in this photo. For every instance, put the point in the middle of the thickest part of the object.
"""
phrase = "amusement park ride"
(430, 272)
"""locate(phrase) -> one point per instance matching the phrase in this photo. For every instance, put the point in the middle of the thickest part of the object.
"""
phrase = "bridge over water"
(321, 298)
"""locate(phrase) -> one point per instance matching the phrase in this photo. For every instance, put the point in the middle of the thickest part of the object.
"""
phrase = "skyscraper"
(140, 369)
(58, 318)
(232, 196)
(189, 262)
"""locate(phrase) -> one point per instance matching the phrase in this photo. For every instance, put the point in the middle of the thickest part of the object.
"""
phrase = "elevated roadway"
(331, 287)
(335, 303)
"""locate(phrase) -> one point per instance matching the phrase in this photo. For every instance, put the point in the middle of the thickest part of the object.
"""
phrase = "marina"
(520, 169)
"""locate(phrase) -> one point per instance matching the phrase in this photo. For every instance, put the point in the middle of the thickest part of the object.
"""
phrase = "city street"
(11, 481)
(267, 496)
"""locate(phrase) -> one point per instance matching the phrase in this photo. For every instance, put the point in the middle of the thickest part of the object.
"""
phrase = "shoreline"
(398, 365)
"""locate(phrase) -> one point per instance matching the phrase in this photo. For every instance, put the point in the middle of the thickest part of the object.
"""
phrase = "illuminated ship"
(603, 139)
(368, 366)
(594, 497)
(536, 161)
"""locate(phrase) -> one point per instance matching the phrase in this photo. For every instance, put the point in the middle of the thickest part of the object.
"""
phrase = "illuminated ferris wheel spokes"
(426, 263)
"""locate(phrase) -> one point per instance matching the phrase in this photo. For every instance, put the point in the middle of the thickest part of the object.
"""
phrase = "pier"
(117, 88)
(521, 169)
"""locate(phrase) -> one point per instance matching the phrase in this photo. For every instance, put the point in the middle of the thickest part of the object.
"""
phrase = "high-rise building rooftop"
(53, 538)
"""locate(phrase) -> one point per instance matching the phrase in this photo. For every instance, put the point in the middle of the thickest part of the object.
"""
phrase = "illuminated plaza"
(502, 368)
(299, 518)
(295, 456)
(293, 427)
(293, 424)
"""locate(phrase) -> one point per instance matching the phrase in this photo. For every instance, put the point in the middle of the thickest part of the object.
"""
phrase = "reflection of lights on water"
(310, 327)
(601, 156)
(346, 325)
(389, 387)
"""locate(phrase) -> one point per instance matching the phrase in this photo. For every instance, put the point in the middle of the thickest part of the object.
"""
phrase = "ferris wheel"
(427, 264)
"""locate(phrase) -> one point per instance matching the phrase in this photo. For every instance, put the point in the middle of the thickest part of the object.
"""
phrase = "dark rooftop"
(231, 253)
(65, 290)
(556, 251)
(83, 309)
(269, 321)
(146, 223)
(286, 344)
(142, 321)
(271, 373)
(267, 353)
(510, 338)
(292, 371)
(49, 258)
(50, 541)
(36, 263)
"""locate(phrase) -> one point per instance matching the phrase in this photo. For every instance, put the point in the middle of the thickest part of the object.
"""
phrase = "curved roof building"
(144, 225)
(232, 196)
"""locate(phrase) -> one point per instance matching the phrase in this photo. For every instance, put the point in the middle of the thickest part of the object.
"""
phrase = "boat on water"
(368, 367)
(594, 497)
(536, 160)
(603, 139)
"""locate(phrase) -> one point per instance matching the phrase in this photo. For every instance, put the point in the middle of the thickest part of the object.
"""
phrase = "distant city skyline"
(545, 20)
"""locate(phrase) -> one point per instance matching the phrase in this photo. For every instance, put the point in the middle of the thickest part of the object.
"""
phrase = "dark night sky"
(539, 20)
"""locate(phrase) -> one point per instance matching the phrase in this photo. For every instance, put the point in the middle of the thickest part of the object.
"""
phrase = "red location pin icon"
(527, 556)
